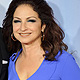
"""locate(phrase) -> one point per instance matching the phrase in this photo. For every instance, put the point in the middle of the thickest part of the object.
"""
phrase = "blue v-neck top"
(65, 68)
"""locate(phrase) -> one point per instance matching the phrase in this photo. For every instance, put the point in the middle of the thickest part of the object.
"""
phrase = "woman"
(37, 43)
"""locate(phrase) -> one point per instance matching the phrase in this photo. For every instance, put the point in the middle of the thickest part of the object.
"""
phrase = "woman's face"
(27, 25)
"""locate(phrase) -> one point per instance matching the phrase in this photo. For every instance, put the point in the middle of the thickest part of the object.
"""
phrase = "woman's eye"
(16, 21)
(31, 21)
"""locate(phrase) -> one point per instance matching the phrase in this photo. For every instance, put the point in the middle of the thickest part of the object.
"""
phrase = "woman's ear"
(43, 27)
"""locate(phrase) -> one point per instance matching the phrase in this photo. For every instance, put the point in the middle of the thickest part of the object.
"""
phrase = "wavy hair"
(54, 35)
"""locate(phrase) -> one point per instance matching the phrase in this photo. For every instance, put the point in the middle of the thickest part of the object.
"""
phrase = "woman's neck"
(32, 51)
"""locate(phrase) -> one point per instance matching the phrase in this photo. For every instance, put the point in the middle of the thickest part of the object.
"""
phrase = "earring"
(12, 37)
(42, 37)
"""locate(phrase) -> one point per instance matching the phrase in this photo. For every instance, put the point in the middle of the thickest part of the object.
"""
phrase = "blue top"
(63, 69)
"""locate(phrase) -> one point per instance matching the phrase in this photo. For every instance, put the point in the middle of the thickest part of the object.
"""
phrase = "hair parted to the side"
(54, 35)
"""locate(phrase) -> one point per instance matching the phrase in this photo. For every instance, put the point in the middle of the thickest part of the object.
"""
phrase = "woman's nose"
(23, 26)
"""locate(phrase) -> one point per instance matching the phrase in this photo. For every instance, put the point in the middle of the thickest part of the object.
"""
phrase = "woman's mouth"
(24, 34)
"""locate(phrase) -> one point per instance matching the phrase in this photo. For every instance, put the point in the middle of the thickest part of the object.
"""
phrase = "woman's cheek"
(16, 27)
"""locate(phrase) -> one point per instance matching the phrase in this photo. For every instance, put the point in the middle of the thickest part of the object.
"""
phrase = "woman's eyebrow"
(31, 17)
(16, 17)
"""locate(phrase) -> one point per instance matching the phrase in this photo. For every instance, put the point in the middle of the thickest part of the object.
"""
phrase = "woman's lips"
(24, 34)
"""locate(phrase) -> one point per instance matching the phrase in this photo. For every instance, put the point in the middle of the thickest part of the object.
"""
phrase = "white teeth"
(25, 34)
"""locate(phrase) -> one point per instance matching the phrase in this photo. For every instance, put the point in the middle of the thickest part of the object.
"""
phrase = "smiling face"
(27, 25)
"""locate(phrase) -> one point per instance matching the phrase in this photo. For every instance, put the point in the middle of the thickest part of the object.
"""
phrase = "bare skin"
(28, 62)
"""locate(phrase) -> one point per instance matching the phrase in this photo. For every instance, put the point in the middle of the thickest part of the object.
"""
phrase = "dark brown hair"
(54, 35)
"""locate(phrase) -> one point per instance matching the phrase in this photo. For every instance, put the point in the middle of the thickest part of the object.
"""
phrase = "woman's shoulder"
(63, 61)
(65, 58)
(66, 67)
(14, 56)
